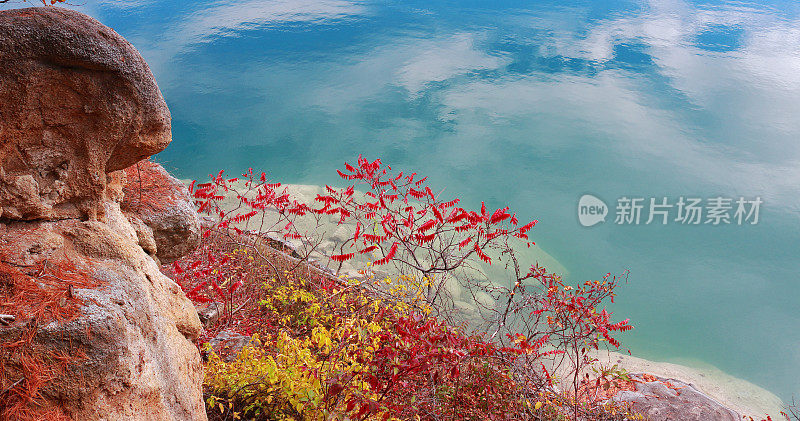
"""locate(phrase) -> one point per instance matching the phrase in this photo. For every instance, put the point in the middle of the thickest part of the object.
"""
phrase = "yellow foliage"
(279, 384)
(321, 338)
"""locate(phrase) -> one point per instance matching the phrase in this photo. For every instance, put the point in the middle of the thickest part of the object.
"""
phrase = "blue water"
(530, 104)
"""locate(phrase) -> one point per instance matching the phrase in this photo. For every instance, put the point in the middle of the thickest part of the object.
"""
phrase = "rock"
(228, 343)
(670, 399)
(135, 329)
(77, 102)
(77, 106)
(209, 312)
(144, 235)
(162, 203)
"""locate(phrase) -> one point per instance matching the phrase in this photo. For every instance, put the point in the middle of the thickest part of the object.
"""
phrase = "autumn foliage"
(387, 343)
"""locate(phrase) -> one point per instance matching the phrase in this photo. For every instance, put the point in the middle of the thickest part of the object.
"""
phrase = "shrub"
(388, 347)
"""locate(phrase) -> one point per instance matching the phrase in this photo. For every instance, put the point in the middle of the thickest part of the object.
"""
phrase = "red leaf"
(426, 238)
(176, 268)
(373, 383)
(217, 289)
(437, 214)
(196, 289)
(201, 299)
(368, 249)
(481, 254)
(389, 256)
(426, 226)
(342, 257)
(500, 215)
(363, 411)
(462, 228)
(334, 389)
(345, 176)
(449, 204)
(527, 226)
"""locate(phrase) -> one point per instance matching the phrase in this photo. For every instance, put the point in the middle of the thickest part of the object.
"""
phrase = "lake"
(531, 105)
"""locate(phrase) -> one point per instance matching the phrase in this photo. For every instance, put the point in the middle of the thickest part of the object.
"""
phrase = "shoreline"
(742, 396)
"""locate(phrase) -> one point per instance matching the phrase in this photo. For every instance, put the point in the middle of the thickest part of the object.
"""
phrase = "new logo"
(591, 210)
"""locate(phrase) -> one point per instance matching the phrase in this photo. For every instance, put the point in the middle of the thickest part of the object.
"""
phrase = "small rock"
(228, 343)
(209, 312)
(162, 203)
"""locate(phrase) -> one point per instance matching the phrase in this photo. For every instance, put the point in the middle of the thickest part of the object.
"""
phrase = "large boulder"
(77, 102)
(96, 330)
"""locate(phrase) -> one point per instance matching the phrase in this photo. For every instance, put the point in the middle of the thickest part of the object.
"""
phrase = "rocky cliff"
(90, 327)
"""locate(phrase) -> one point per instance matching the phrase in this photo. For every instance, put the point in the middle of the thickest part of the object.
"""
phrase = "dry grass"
(35, 296)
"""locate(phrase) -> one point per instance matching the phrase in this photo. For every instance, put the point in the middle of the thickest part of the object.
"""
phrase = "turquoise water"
(529, 104)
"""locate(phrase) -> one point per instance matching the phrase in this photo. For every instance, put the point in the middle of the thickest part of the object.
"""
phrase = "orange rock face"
(77, 102)
(94, 330)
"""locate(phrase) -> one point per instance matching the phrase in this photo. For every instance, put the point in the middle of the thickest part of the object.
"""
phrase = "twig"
(12, 386)
(240, 307)
(7, 319)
